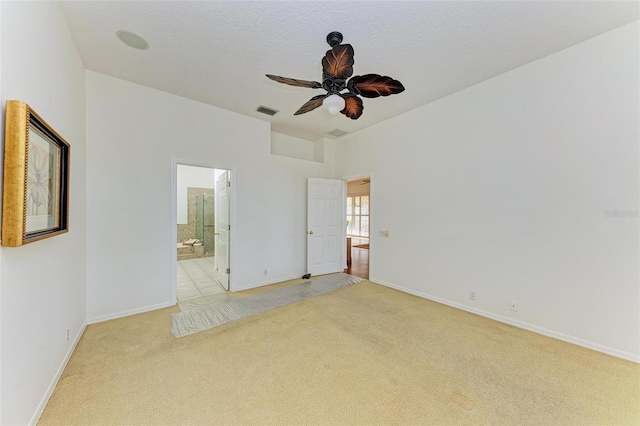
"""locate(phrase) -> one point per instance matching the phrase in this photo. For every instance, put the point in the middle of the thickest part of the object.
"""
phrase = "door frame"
(371, 210)
(173, 290)
(226, 187)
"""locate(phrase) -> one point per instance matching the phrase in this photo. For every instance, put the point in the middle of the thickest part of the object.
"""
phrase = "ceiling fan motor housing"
(333, 85)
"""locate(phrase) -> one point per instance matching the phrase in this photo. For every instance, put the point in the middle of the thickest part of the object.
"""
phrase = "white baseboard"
(520, 324)
(122, 314)
(263, 283)
(54, 382)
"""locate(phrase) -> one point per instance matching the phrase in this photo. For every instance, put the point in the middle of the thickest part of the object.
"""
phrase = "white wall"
(191, 177)
(42, 283)
(502, 188)
(130, 245)
(319, 149)
(291, 146)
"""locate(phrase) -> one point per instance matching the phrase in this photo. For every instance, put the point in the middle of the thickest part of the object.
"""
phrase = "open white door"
(222, 229)
(326, 226)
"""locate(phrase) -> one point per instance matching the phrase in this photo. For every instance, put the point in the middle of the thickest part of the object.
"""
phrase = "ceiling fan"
(337, 67)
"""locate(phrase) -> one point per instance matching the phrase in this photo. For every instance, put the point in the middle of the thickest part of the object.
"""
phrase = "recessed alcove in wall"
(291, 146)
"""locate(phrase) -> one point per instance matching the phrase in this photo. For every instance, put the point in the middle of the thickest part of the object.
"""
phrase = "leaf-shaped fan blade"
(374, 85)
(338, 62)
(295, 82)
(311, 104)
(352, 106)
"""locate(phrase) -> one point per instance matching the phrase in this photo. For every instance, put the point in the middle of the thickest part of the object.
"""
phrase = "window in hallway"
(358, 216)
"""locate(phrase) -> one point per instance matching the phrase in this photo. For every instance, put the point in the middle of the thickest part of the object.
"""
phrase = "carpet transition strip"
(220, 310)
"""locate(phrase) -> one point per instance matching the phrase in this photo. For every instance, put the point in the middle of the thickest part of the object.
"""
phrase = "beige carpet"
(363, 355)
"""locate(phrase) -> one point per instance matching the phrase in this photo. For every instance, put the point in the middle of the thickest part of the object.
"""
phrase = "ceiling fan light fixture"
(333, 103)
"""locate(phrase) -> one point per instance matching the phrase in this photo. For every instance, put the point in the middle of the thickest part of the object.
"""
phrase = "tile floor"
(197, 278)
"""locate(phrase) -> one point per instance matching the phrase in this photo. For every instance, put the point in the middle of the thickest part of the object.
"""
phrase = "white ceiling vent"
(337, 133)
(266, 110)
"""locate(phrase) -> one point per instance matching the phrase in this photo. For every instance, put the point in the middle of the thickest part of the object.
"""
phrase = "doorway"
(201, 242)
(358, 203)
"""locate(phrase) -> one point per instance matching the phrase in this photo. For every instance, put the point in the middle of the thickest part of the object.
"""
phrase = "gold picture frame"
(35, 198)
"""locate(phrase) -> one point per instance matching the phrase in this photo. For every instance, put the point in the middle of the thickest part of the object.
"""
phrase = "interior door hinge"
(229, 183)
(228, 270)
(228, 227)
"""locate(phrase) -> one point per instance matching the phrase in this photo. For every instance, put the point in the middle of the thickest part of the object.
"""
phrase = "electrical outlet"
(266, 272)
(514, 306)
(472, 294)
(68, 335)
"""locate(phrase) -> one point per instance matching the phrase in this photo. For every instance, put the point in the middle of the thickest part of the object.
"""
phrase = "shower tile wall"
(183, 232)
(190, 229)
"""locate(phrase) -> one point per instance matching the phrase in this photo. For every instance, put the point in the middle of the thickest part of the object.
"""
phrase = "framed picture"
(35, 198)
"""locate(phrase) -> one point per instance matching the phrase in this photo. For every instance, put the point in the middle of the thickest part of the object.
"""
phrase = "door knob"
(216, 233)
(310, 232)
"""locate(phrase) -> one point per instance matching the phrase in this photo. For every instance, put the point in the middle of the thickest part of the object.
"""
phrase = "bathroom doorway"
(199, 251)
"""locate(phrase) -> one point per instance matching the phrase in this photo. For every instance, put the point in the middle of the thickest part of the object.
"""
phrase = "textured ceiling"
(218, 52)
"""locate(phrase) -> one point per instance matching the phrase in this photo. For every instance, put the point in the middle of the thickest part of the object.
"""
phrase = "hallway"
(359, 266)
